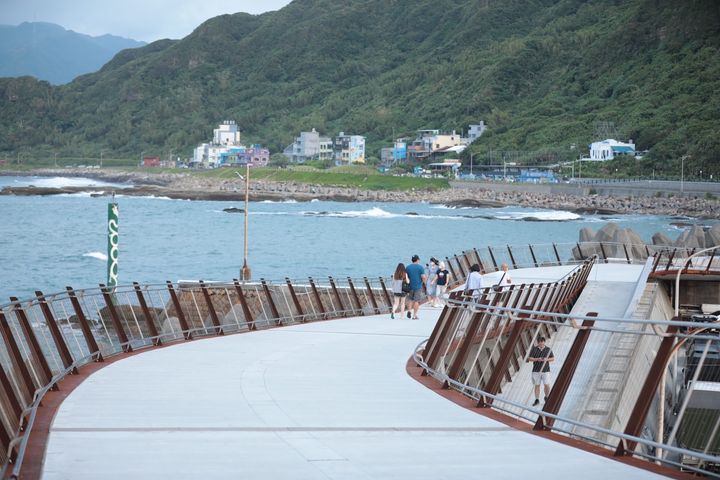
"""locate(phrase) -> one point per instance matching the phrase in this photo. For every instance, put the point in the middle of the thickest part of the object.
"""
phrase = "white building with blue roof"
(609, 149)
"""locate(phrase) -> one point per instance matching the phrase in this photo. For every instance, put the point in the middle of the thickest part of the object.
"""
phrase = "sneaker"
(536, 402)
(546, 398)
(409, 315)
(392, 316)
(416, 318)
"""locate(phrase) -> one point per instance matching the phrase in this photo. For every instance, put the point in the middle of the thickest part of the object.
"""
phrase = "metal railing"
(490, 258)
(46, 338)
(606, 371)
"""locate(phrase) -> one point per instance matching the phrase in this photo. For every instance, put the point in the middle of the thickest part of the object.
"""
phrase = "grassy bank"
(353, 177)
(365, 178)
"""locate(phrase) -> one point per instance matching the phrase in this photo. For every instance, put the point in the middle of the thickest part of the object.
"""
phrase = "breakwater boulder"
(613, 241)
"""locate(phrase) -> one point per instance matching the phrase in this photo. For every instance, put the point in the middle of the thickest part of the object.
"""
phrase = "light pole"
(142, 157)
(245, 272)
(682, 174)
(56, 160)
(101, 157)
(471, 163)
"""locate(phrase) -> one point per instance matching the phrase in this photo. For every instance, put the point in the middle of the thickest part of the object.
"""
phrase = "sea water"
(49, 242)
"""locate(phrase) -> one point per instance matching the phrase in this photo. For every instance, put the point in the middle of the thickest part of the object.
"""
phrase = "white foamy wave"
(79, 194)
(314, 200)
(282, 201)
(60, 182)
(374, 212)
(98, 255)
(540, 216)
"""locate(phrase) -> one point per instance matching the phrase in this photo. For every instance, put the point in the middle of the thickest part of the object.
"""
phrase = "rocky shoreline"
(190, 187)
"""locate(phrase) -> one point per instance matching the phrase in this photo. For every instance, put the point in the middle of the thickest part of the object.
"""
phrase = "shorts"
(401, 295)
(541, 377)
(416, 295)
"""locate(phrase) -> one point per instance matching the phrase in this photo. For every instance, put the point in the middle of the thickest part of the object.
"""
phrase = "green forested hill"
(541, 73)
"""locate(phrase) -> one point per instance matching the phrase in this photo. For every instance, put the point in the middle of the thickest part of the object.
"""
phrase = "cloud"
(146, 20)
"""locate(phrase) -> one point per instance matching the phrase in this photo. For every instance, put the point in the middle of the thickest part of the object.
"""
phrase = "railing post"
(479, 261)
(627, 255)
(211, 309)
(670, 259)
(55, 333)
(12, 398)
(31, 340)
(493, 385)
(492, 256)
(532, 254)
(460, 267)
(355, 296)
(376, 309)
(452, 269)
(146, 313)
(647, 393)
(27, 386)
(565, 375)
(430, 344)
(271, 302)
(602, 249)
(124, 342)
(467, 260)
(512, 258)
(444, 331)
(337, 296)
(295, 300)
(582, 257)
(187, 334)
(318, 298)
(243, 303)
(385, 293)
(712, 256)
(557, 255)
(466, 343)
(84, 326)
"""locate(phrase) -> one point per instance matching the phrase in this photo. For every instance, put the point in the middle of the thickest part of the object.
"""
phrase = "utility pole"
(245, 272)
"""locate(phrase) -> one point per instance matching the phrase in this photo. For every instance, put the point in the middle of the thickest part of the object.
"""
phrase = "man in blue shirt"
(417, 277)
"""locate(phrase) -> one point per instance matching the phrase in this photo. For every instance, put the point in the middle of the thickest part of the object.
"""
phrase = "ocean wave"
(98, 255)
(61, 182)
(281, 201)
(374, 212)
(539, 216)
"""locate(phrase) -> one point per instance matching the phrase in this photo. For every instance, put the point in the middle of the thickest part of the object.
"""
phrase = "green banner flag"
(113, 240)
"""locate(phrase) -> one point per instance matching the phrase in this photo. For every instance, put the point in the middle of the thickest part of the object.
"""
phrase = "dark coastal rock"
(473, 203)
(234, 210)
(595, 211)
(412, 214)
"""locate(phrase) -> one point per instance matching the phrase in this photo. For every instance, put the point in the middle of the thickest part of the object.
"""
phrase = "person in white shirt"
(473, 284)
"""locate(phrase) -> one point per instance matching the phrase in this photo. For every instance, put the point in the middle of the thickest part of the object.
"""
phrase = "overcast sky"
(146, 20)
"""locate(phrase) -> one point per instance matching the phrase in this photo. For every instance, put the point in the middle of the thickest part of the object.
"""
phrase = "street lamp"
(245, 272)
(682, 173)
(471, 163)
(101, 157)
(142, 157)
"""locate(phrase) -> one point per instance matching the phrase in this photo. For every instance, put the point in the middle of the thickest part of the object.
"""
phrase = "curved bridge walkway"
(327, 400)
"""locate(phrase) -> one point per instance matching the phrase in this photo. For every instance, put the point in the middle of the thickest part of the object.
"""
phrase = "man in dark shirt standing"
(541, 356)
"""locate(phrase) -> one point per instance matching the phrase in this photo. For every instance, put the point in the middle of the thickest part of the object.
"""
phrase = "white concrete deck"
(328, 400)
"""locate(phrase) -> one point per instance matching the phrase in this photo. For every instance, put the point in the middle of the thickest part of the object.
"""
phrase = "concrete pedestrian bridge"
(327, 400)
(303, 380)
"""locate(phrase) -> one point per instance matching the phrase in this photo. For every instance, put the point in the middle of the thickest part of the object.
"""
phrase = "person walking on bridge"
(541, 356)
(416, 274)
